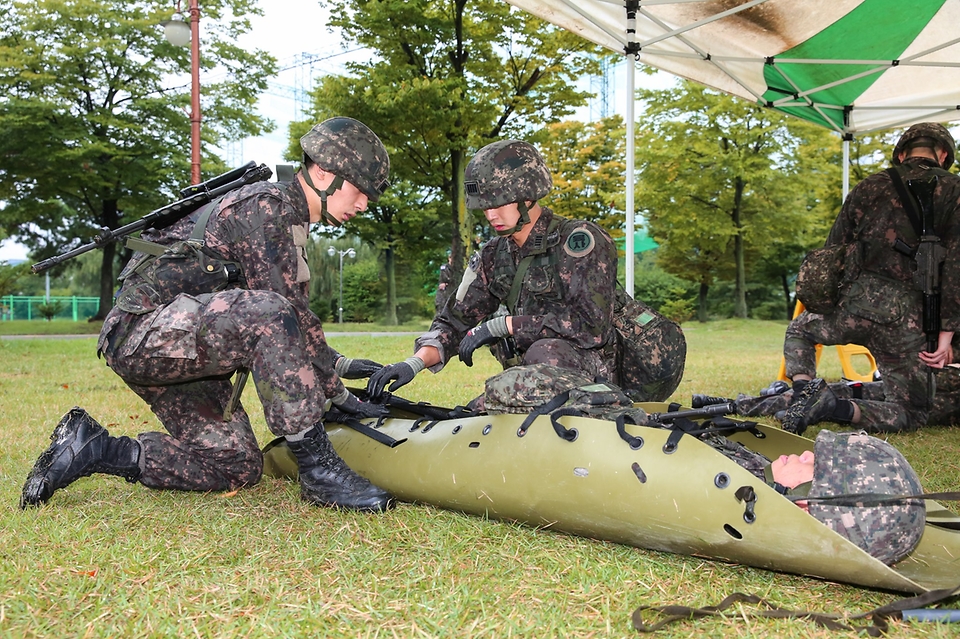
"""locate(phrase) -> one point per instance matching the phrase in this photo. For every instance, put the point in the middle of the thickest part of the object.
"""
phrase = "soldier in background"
(187, 318)
(559, 312)
(879, 306)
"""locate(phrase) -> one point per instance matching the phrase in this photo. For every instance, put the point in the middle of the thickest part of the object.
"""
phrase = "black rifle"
(929, 256)
(193, 197)
(714, 410)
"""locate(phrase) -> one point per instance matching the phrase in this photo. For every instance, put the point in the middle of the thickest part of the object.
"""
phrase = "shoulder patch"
(580, 243)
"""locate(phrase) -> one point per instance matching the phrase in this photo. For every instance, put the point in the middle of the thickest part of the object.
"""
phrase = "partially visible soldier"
(945, 410)
(186, 320)
(543, 290)
(879, 305)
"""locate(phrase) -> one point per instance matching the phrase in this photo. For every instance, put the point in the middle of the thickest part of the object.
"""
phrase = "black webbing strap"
(907, 201)
(337, 417)
(878, 616)
(543, 409)
(867, 500)
(524, 264)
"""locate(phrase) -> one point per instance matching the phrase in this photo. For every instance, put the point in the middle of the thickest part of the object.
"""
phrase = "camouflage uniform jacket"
(568, 291)
(263, 227)
(873, 217)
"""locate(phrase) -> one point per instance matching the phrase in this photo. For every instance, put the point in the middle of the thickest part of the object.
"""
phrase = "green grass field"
(110, 559)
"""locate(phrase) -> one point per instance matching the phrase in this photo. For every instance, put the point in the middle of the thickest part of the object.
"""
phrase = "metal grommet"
(722, 480)
(749, 516)
(669, 448)
(487, 429)
(456, 429)
(636, 443)
(521, 432)
(572, 434)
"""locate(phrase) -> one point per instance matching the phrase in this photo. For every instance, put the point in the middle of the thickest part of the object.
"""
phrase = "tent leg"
(629, 258)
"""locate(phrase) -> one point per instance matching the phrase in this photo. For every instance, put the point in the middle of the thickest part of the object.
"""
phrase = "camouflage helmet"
(505, 172)
(934, 131)
(856, 463)
(350, 150)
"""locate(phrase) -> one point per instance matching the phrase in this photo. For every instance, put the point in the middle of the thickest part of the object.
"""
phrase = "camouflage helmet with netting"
(505, 172)
(932, 130)
(855, 463)
(349, 149)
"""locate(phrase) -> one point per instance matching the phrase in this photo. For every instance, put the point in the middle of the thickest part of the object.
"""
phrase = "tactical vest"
(537, 270)
(182, 267)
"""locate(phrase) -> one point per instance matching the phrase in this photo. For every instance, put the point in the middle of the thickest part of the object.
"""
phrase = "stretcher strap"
(878, 616)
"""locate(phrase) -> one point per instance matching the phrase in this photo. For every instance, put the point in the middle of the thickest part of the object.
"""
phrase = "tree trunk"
(390, 266)
(786, 296)
(740, 302)
(460, 244)
(109, 218)
(702, 302)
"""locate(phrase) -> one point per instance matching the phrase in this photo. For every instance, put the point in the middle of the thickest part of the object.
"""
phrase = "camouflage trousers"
(945, 410)
(595, 363)
(179, 359)
(885, 318)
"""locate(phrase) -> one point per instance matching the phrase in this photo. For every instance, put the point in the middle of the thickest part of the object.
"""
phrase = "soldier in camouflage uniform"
(879, 305)
(186, 320)
(561, 315)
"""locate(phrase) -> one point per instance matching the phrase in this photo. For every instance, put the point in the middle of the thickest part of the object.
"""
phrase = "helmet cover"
(932, 130)
(856, 463)
(348, 149)
(505, 172)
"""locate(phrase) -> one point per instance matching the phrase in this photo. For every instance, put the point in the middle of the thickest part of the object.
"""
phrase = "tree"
(724, 179)
(588, 162)
(91, 133)
(446, 78)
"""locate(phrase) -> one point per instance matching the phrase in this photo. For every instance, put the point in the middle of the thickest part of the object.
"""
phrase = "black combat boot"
(79, 447)
(813, 404)
(699, 401)
(326, 480)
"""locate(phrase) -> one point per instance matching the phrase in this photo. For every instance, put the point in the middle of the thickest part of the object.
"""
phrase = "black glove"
(349, 368)
(486, 333)
(347, 402)
(403, 372)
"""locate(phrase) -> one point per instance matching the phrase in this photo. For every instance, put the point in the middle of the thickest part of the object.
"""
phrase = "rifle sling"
(907, 201)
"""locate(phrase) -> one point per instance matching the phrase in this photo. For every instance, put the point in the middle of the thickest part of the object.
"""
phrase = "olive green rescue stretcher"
(655, 491)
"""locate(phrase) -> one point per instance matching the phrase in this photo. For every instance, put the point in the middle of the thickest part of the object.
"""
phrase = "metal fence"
(28, 307)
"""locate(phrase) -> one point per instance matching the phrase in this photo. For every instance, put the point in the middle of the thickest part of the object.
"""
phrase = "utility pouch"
(652, 350)
(820, 277)
(182, 267)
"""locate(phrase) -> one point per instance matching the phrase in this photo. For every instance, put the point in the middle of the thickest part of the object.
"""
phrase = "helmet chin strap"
(522, 222)
(333, 188)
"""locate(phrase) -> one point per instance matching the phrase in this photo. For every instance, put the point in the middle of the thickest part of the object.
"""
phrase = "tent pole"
(846, 168)
(630, 258)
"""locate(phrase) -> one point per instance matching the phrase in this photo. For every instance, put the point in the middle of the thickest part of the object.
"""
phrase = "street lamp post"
(351, 254)
(178, 33)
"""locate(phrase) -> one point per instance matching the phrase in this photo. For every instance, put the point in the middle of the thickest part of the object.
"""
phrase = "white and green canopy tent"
(854, 66)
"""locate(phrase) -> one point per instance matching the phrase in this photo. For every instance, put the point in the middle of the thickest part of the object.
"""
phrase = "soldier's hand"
(347, 402)
(349, 368)
(401, 374)
(486, 333)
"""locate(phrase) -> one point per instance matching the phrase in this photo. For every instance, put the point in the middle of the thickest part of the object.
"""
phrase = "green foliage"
(51, 310)
(588, 164)
(656, 287)
(91, 134)
(727, 184)
(363, 291)
(10, 276)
